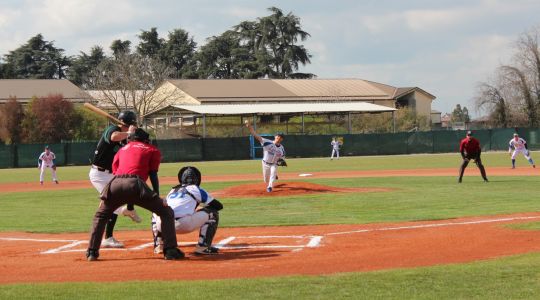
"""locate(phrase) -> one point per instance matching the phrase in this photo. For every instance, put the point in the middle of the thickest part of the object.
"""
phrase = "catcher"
(273, 152)
(184, 199)
(469, 148)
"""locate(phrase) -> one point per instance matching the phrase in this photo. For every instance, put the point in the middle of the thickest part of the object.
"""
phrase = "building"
(24, 90)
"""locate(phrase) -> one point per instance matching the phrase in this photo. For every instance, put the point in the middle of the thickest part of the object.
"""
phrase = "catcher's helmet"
(189, 175)
(140, 135)
(128, 117)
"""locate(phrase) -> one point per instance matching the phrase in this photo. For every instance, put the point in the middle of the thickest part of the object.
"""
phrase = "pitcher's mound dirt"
(289, 189)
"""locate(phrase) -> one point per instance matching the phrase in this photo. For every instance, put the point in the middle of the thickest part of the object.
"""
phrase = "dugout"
(185, 116)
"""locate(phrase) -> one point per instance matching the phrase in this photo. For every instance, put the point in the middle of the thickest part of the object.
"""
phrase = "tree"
(273, 40)
(224, 57)
(48, 120)
(130, 82)
(119, 47)
(83, 64)
(177, 51)
(89, 125)
(37, 59)
(491, 98)
(517, 79)
(11, 114)
(150, 43)
(460, 114)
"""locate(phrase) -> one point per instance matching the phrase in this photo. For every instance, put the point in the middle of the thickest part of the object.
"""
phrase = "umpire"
(469, 148)
(132, 166)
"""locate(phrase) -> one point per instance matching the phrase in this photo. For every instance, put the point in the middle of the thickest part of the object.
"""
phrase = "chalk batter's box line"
(314, 241)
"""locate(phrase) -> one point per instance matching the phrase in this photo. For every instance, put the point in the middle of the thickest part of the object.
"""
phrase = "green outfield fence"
(237, 148)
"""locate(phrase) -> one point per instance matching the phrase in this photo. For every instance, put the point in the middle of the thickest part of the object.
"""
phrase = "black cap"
(280, 134)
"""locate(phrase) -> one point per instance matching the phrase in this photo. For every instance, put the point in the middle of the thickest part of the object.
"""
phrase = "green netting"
(6, 156)
(180, 150)
(80, 153)
(226, 148)
(26, 155)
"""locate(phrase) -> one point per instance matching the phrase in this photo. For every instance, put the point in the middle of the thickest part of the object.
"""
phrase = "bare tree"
(131, 82)
(490, 98)
(516, 78)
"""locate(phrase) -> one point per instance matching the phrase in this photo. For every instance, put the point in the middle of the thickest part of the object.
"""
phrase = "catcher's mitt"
(281, 162)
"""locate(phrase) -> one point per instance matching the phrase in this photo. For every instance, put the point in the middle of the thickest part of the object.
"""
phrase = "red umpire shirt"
(469, 145)
(136, 158)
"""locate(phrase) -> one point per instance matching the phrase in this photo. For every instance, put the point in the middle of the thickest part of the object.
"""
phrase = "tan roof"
(25, 89)
(238, 90)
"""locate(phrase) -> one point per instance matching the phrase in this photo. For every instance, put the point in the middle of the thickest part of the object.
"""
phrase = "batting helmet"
(128, 117)
(189, 175)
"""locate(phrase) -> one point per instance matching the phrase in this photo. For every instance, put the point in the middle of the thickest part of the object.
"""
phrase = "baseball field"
(388, 227)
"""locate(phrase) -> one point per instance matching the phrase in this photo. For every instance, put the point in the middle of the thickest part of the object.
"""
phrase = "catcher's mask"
(189, 175)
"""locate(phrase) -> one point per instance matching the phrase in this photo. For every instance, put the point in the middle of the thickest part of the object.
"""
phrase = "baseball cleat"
(534, 166)
(201, 250)
(132, 214)
(173, 254)
(158, 249)
(269, 189)
(92, 255)
(56, 181)
(111, 243)
(41, 182)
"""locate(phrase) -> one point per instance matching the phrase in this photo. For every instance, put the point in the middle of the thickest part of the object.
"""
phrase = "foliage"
(513, 97)
(119, 47)
(460, 114)
(89, 125)
(48, 120)
(11, 115)
(83, 64)
(38, 59)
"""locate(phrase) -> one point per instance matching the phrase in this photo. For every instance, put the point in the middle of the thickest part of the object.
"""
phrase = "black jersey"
(106, 149)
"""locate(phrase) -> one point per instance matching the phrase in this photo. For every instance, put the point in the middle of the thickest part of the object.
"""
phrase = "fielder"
(47, 159)
(335, 148)
(184, 199)
(113, 138)
(273, 151)
(469, 148)
(519, 145)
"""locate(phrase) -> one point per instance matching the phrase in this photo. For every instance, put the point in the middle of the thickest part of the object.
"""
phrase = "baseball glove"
(54, 167)
(281, 162)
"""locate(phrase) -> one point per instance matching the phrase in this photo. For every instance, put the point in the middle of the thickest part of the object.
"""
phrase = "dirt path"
(269, 251)
(471, 171)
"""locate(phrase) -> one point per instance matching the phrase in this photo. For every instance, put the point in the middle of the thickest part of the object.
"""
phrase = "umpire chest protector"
(106, 149)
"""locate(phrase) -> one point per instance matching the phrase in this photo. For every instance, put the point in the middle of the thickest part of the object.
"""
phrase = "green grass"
(514, 277)
(302, 165)
(525, 226)
(411, 198)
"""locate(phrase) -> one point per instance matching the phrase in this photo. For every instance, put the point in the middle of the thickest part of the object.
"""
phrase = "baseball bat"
(103, 113)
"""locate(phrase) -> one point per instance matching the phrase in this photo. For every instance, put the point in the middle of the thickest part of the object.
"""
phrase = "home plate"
(304, 174)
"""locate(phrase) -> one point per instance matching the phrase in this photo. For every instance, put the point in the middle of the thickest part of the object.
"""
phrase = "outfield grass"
(302, 165)
(411, 198)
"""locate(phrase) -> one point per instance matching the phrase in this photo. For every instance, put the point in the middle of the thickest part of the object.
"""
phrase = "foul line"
(434, 225)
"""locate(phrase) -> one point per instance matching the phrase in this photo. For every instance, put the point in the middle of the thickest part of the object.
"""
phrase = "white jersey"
(335, 145)
(185, 201)
(271, 152)
(517, 145)
(47, 159)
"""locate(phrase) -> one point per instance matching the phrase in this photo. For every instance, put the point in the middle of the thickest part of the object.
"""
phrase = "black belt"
(101, 169)
(268, 163)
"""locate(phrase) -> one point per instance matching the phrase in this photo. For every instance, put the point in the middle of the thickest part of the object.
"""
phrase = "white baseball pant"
(99, 180)
(42, 172)
(336, 152)
(269, 173)
(524, 151)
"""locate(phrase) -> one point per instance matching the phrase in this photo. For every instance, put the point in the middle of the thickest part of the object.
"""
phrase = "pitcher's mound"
(288, 189)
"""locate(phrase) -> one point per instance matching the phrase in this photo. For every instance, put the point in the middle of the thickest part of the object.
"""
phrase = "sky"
(445, 47)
